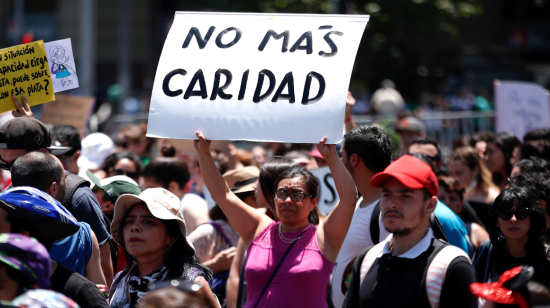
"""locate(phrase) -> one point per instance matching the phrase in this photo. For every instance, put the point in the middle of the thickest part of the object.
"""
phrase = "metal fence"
(445, 127)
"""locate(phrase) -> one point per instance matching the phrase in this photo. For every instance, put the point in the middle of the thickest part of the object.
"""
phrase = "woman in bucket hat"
(151, 230)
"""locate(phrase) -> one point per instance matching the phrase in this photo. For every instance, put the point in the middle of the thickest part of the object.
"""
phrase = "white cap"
(96, 148)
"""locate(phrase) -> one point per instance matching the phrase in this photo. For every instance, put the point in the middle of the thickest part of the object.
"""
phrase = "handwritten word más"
(10, 55)
(286, 84)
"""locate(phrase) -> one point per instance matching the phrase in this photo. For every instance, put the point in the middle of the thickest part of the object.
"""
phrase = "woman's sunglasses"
(519, 213)
(130, 174)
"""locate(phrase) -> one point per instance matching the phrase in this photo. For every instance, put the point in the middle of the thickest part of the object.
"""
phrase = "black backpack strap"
(243, 286)
(73, 182)
(375, 224)
(437, 228)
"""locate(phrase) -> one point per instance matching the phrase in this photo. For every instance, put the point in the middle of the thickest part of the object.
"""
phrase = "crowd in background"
(131, 221)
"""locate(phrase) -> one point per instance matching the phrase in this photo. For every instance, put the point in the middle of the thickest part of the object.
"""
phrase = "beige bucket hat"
(242, 180)
(161, 203)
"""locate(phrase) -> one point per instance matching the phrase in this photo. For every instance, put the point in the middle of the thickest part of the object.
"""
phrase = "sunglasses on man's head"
(130, 174)
(519, 213)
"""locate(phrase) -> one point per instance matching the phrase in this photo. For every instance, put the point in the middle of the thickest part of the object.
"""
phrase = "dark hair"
(216, 212)
(451, 185)
(481, 136)
(164, 170)
(312, 187)
(36, 169)
(297, 154)
(168, 150)
(70, 134)
(269, 173)
(537, 134)
(539, 181)
(438, 156)
(506, 142)
(19, 225)
(372, 144)
(111, 161)
(23, 283)
(425, 159)
(462, 141)
(182, 259)
(533, 165)
(526, 198)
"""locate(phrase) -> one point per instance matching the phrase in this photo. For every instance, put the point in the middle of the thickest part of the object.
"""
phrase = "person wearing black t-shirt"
(394, 272)
(516, 237)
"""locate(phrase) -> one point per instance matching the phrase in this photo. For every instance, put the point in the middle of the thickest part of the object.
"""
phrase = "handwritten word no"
(304, 42)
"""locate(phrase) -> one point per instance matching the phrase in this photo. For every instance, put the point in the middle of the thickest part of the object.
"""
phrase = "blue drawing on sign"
(60, 67)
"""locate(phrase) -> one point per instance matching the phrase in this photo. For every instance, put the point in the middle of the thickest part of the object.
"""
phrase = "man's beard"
(402, 231)
(60, 195)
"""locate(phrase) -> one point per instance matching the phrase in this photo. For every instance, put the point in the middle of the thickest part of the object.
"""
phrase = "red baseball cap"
(411, 172)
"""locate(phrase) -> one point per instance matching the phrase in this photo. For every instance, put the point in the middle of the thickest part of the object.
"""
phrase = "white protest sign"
(260, 77)
(328, 196)
(62, 67)
(521, 107)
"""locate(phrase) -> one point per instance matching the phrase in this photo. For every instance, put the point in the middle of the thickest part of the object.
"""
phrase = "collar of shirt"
(415, 251)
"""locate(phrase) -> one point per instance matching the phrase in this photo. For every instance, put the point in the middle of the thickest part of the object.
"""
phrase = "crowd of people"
(131, 221)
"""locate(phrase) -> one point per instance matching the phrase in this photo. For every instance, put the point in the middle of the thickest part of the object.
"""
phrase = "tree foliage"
(390, 45)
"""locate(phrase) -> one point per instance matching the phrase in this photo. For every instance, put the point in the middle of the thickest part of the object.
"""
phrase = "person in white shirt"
(366, 150)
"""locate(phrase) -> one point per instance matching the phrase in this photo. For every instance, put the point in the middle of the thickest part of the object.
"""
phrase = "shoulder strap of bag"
(73, 182)
(220, 230)
(486, 276)
(369, 259)
(375, 224)
(437, 270)
(437, 228)
(478, 257)
(277, 269)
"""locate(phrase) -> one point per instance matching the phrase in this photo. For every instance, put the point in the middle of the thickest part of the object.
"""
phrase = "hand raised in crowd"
(222, 261)
(328, 151)
(202, 145)
(23, 110)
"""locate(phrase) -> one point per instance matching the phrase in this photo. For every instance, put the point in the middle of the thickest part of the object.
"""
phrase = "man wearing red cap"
(410, 268)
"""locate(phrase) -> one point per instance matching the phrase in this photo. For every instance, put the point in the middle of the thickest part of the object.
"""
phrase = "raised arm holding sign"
(260, 77)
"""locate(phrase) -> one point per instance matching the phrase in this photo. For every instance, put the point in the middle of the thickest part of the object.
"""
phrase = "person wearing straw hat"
(152, 232)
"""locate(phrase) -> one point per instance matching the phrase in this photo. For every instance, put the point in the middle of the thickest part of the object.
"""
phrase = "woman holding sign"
(289, 263)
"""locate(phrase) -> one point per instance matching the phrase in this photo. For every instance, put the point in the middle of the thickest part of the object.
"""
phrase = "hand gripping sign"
(259, 77)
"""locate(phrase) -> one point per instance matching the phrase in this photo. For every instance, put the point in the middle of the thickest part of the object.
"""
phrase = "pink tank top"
(302, 279)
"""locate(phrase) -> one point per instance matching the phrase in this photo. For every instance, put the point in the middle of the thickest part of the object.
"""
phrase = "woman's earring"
(501, 237)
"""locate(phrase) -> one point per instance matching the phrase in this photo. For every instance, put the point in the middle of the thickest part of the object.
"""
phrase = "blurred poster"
(328, 196)
(521, 107)
(62, 66)
(24, 70)
(68, 110)
(258, 77)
